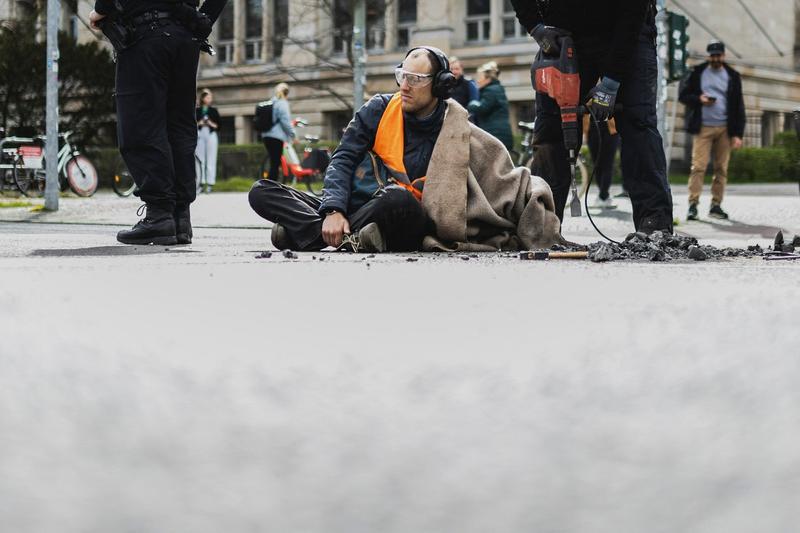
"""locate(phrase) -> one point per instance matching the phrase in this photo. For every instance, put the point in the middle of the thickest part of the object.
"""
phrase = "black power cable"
(591, 177)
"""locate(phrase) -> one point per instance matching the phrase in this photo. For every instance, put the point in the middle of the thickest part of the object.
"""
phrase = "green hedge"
(232, 160)
(777, 163)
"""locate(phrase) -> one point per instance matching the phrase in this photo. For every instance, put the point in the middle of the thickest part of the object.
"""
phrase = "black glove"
(602, 98)
(549, 38)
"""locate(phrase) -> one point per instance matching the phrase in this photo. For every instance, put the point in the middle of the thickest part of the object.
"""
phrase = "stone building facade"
(306, 43)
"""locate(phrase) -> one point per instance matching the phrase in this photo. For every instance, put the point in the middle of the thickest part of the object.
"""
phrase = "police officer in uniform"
(157, 44)
(615, 45)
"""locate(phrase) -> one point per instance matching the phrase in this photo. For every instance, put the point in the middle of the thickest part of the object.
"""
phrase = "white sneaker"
(608, 203)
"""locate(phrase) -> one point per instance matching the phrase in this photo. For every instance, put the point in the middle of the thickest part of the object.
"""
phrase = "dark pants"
(643, 161)
(156, 126)
(398, 214)
(275, 150)
(603, 148)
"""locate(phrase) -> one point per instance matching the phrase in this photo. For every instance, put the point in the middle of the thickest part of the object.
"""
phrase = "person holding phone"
(715, 117)
(207, 141)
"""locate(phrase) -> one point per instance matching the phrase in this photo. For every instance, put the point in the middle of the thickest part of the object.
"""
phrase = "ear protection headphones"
(443, 81)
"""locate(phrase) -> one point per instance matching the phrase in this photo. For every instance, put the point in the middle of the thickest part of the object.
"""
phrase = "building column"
(242, 130)
(496, 23)
(434, 27)
(390, 23)
(239, 22)
(266, 30)
(304, 28)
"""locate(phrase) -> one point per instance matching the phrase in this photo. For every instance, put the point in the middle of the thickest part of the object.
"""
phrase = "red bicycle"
(310, 171)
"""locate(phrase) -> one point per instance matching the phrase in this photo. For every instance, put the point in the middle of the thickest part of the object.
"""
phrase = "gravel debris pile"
(659, 246)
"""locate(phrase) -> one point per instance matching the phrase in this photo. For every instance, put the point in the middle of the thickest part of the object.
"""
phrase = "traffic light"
(677, 39)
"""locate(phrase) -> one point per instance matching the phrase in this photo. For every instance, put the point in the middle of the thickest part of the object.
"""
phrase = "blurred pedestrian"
(603, 145)
(465, 90)
(207, 141)
(491, 110)
(281, 131)
(715, 117)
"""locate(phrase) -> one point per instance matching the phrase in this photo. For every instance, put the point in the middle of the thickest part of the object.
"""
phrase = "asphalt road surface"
(199, 389)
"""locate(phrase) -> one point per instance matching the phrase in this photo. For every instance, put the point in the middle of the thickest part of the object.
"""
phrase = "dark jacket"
(465, 91)
(491, 112)
(419, 139)
(132, 8)
(690, 92)
(213, 116)
(604, 28)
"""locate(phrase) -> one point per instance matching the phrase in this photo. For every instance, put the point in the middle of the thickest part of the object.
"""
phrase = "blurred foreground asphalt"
(199, 389)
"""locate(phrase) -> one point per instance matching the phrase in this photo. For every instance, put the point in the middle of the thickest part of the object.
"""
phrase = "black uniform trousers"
(156, 114)
(643, 161)
(603, 148)
(399, 216)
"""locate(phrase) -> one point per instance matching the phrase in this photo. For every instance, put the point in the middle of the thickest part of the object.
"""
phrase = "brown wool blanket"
(478, 200)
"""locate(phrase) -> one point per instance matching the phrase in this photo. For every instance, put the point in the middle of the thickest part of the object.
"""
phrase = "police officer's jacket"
(609, 28)
(132, 8)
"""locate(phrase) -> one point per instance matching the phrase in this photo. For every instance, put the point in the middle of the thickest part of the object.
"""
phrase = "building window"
(225, 35)
(376, 25)
(512, 29)
(406, 20)
(73, 28)
(342, 26)
(253, 41)
(227, 130)
(280, 26)
(479, 20)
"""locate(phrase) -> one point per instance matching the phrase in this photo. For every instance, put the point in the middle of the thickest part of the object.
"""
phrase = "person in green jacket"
(491, 110)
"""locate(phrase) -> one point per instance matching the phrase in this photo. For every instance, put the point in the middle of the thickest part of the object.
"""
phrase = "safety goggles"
(414, 79)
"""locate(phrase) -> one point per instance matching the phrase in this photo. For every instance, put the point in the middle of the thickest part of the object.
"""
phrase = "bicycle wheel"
(123, 183)
(81, 175)
(26, 182)
(314, 183)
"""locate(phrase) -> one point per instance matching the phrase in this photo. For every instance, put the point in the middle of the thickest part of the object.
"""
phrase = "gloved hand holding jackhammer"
(549, 38)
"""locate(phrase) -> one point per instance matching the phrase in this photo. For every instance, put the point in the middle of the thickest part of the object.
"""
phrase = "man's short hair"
(418, 52)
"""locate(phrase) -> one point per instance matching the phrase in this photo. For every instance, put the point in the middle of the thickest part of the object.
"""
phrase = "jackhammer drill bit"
(575, 203)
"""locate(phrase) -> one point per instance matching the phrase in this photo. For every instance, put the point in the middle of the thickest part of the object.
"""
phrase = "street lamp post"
(51, 145)
(359, 52)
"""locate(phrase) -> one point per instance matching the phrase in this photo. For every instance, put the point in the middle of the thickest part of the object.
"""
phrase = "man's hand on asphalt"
(334, 227)
(736, 142)
(549, 38)
(602, 98)
(94, 18)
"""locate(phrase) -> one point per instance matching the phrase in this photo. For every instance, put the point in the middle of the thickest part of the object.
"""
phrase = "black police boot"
(183, 224)
(655, 223)
(157, 227)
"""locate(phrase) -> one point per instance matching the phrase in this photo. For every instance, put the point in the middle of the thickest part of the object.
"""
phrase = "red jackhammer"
(558, 78)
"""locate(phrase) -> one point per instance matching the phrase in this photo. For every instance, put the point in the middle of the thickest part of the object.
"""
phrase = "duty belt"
(151, 17)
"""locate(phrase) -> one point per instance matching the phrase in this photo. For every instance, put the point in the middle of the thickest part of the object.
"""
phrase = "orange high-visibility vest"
(390, 146)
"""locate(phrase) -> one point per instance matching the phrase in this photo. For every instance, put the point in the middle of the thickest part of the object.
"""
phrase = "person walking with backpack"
(281, 130)
(207, 141)
(715, 117)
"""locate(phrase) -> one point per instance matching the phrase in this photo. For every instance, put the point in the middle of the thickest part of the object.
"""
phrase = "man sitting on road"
(412, 173)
